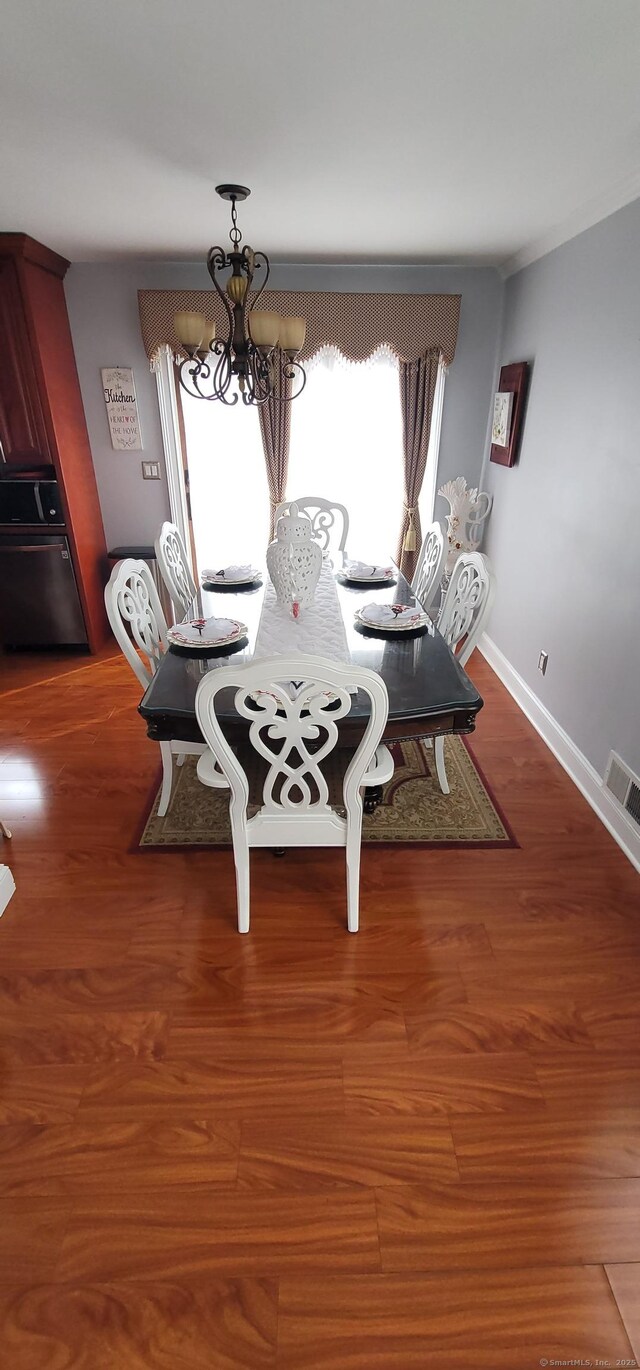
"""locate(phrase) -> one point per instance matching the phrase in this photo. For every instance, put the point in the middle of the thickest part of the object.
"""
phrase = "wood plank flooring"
(414, 1148)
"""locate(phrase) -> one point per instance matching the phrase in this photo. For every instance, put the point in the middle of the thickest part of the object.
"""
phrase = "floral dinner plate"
(392, 618)
(205, 634)
(365, 573)
(230, 575)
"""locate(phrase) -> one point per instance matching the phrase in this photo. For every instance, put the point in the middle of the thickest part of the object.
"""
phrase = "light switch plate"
(151, 470)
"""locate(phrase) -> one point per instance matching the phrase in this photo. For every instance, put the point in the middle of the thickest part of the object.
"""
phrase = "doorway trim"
(172, 443)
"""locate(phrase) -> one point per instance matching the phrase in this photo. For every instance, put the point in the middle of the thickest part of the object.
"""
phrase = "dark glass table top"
(423, 678)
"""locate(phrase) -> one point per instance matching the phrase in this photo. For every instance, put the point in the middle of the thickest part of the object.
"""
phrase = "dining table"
(429, 691)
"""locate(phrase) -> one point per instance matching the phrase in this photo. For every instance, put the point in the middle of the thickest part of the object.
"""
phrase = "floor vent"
(624, 786)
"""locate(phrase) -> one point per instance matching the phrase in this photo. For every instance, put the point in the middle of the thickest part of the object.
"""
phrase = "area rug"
(413, 810)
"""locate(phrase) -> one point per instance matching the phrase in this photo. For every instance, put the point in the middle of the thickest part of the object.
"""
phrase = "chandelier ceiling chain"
(234, 232)
(258, 359)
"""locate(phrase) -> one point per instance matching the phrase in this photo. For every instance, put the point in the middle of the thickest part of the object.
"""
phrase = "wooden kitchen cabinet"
(41, 413)
(23, 436)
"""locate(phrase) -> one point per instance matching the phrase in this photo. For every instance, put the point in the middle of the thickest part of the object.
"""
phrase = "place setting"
(393, 620)
(232, 579)
(363, 573)
(207, 636)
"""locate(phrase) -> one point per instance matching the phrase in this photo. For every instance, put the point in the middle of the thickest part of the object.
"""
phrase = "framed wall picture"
(508, 408)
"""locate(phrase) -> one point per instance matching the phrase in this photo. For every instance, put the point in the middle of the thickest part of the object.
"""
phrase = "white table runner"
(319, 629)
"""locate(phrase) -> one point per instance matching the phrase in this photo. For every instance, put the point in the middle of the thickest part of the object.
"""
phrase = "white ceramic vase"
(469, 509)
(294, 560)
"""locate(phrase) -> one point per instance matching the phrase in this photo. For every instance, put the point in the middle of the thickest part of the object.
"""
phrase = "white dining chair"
(175, 570)
(465, 610)
(293, 705)
(132, 603)
(428, 572)
(329, 520)
(7, 886)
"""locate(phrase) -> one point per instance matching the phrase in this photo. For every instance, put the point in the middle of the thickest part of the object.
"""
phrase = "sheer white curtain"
(227, 482)
(346, 444)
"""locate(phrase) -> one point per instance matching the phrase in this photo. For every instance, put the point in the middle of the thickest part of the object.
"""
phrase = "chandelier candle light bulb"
(293, 331)
(189, 328)
(264, 327)
(257, 361)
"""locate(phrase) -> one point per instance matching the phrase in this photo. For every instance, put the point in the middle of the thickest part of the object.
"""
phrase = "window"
(346, 444)
(227, 482)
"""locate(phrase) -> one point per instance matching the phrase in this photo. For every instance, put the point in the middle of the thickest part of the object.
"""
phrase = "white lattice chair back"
(467, 603)
(132, 601)
(174, 568)
(294, 705)
(428, 572)
(329, 520)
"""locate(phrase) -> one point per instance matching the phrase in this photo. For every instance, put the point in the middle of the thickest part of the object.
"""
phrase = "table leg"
(372, 797)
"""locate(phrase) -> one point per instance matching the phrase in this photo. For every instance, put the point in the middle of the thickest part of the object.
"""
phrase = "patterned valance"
(356, 324)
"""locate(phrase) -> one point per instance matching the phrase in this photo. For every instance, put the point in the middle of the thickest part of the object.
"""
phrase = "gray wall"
(103, 310)
(564, 534)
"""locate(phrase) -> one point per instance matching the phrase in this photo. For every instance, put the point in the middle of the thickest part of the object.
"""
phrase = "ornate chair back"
(428, 572)
(467, 603)
(329, 520)
(174, 568)
(132, 601)
(293, 705)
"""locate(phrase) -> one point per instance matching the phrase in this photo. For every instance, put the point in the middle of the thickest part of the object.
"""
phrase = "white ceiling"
(373, 130)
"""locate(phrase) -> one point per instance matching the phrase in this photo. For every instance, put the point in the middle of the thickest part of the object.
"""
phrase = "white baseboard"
(570, 757)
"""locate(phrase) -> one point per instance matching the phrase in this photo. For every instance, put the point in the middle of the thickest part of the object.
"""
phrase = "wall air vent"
(633, 802)
(624, 786)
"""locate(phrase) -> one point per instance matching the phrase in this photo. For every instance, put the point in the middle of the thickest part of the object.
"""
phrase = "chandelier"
(261, 349)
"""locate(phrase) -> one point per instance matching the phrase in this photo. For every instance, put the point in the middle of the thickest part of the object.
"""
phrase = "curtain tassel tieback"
(409, 541)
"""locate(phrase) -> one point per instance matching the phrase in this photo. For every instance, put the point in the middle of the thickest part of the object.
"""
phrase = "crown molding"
(590, 213)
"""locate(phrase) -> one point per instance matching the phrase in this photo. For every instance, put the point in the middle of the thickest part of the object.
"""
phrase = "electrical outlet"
(151, 470)
(542, 662)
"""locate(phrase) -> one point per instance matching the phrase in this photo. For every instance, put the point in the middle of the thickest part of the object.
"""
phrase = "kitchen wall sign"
(122, 408)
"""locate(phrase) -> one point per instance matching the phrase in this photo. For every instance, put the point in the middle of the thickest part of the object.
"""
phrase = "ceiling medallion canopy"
(261, 349)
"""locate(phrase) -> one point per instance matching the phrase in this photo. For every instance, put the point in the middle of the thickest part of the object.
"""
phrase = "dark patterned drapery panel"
(417, 393)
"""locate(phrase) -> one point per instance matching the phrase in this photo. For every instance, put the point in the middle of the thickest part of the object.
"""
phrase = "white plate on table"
(206, 634)
(412, 618)
(231, 575)
(365, 573)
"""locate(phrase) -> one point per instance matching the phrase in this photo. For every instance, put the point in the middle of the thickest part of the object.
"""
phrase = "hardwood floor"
(414, 1148)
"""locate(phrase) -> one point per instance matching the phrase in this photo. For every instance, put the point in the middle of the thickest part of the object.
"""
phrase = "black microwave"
(30, 501)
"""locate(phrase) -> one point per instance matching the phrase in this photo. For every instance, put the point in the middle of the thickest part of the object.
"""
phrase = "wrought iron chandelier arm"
(260, 369)
(223, 374)
(217, 260)
(294, 372)
(192, 372)
(260, 259)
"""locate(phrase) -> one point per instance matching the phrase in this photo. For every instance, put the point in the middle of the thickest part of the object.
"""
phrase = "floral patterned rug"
(413, 810)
